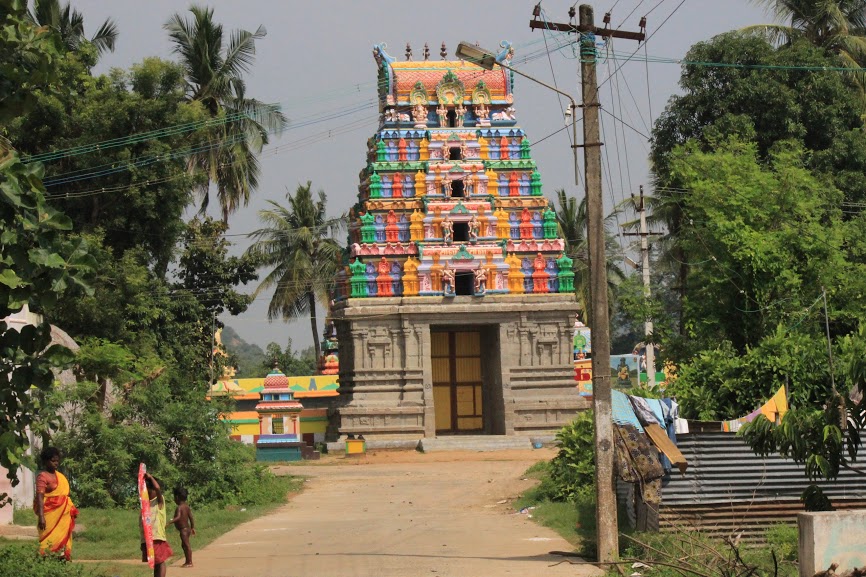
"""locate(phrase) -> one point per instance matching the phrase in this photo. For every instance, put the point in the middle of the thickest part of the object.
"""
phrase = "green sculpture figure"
(550, 226)
(375, 186)
(524, 149)
(381, 154)
(565, 274)
(535, 184)
(368, 228)
(358, 281)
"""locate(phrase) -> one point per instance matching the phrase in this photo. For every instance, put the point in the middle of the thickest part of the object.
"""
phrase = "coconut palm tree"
(572, 217)
(297, 244)
(69, 24)
(214, 68)
(838, 26)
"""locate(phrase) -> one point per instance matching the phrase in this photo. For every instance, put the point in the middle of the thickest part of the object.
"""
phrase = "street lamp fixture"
(487, 60)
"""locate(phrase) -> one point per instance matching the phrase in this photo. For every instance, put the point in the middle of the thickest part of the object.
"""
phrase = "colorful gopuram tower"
(455, 308)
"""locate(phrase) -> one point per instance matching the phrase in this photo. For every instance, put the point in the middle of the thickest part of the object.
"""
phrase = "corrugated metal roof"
(730, 491)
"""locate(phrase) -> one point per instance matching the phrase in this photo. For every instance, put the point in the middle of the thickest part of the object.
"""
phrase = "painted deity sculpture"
(416, 228)
(397, 186)
(474, 229)
(391, 230)
(383, 280)
(358, 280)
(368, 228)
(526, 227)
(513, 184)
(551, 227)
(565, 275)
(402, 154)
(448, 275)
(480, 281)
(410, 277)
(419, 115)
(503, 229)
(447, 230)
(442, 113)
(515, 275)
(460, 112)
(540, 274)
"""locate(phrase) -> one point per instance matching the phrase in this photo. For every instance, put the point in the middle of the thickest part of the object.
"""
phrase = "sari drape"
(60, 516)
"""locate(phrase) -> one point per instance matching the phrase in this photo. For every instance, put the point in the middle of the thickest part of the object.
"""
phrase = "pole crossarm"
(577, 29)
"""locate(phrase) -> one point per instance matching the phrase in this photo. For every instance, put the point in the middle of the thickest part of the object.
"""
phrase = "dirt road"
(396, 514)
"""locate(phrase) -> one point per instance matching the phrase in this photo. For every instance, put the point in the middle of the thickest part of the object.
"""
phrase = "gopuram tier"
(454, 259)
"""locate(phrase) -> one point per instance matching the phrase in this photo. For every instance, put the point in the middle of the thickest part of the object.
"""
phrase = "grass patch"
(573, 521)
(113, 534)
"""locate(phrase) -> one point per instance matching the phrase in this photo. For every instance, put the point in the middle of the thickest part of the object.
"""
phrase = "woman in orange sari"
(53, 507)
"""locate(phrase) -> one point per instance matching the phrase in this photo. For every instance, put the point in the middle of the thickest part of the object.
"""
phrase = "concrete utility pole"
(606, 516)
(644, 235)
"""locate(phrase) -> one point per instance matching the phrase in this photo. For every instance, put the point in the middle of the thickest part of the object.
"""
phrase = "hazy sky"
(317, 62)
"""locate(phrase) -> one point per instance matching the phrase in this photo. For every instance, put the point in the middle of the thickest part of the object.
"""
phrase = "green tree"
(38, 263)
(68, 23)
(767, 100)
(291, 363)
(134, 192)
(297, 244)
(214, 70)
(571, 216)
(207, 271)
(29, 58)
(837, 26)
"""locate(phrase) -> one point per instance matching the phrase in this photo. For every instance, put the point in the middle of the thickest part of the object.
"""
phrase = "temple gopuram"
(455, 310)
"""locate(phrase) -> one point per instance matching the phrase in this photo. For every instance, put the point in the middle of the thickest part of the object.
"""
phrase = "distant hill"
(250, 358)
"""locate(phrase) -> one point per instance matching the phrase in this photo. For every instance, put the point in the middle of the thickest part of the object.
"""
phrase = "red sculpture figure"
(525, 224)
(383, 280)
(513, 185)
(503, 148)
(539, 275)
(397, 185)
(391, 229)
(401, 150)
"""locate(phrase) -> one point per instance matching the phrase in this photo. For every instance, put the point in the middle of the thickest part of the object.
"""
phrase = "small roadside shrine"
(279, 421)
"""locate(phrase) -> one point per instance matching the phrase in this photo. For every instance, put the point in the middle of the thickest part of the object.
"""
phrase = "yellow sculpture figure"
(420, 184)
(410, 277)
(424, 150)
(219, 350)
(484, 149)
(436, 273)
(492, 182)
(503, 228)
(437, 222)
(416, 226)
(515, 275)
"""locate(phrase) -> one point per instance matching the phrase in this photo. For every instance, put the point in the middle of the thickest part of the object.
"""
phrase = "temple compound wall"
(455, 309)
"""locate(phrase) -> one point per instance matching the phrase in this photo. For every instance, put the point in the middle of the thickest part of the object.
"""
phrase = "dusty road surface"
(396, 514)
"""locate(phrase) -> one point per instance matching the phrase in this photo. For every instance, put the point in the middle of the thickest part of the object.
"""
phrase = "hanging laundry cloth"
(645, 410)
(636, 461)
(773, 410)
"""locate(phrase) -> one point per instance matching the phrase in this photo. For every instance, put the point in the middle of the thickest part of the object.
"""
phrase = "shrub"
(571, 474)
(25, 561)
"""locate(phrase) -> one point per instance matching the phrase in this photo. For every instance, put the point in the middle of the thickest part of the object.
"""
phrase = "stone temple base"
(386, 373)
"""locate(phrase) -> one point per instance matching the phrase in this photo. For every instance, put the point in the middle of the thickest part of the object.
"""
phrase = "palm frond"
(105, 37)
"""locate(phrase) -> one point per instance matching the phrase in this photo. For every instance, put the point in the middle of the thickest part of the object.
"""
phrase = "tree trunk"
(314, 325)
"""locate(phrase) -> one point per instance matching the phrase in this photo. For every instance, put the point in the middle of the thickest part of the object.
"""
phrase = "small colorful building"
(313, 392)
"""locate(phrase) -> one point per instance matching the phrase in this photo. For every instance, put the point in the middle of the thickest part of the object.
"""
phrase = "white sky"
(316, 55)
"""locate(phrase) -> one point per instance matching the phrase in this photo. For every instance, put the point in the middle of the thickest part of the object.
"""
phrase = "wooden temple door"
(457, 381)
